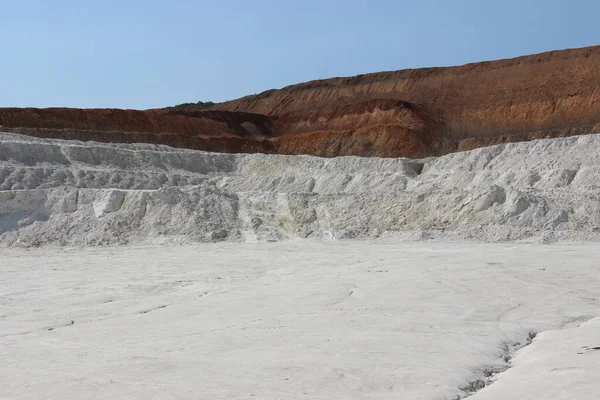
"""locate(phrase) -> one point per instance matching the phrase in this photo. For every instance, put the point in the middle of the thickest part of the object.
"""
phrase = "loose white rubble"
(299, 320)
(85, 193)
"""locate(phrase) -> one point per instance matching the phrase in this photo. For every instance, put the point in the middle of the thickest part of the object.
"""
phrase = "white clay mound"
(86, 193)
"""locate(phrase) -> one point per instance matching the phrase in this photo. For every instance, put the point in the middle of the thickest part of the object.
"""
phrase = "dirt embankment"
(222, 131)
(413, 113)
(371, 141)
(544, 95)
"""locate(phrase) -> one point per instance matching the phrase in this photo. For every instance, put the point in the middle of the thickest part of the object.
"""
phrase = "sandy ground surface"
(299, 320)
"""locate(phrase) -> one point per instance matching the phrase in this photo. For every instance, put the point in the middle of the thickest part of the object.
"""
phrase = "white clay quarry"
(167, 315)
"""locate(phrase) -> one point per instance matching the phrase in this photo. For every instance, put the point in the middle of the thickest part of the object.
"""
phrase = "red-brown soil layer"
(224, 131)
(413, 113)
(374, 141)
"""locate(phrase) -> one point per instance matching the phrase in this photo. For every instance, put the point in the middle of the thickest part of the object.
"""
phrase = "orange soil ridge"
(412, 113)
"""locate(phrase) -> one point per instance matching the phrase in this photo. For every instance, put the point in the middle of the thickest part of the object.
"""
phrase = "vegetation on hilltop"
(201, 105)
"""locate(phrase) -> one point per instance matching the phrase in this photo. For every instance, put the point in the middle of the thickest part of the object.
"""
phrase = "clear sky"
(146, 54)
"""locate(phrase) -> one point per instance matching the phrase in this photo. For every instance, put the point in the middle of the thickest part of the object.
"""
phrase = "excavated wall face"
(408, 113)
(85, 193)
(541, 92)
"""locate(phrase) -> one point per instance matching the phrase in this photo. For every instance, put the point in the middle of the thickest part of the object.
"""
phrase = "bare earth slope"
(544, 95)
(231, 132)
(410, 113)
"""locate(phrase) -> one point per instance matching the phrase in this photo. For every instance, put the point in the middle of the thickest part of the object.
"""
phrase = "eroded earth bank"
(409, 113)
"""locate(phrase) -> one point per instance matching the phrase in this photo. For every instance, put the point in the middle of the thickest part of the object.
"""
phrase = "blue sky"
(146, 54)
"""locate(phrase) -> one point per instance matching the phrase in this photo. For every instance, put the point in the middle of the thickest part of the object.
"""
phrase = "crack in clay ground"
(552, 366)
(491, 373)
(488, 373)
